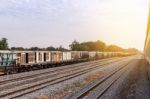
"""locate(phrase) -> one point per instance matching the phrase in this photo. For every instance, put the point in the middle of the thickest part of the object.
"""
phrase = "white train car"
(43, 56)
(66, 56)
(92, 55)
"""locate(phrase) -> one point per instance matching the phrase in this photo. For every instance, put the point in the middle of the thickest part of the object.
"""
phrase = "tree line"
(51, 48)
(4, 46)
(98, 46)
(74, 46)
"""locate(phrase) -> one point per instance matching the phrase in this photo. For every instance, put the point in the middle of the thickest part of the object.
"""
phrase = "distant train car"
(92, 55)
(66, 56)
(7, 60)
(43, 56)
(84, 55)
(99, 55)
(39, 57)
(26, 57)
(56, 56)
(75, 55)
(105, 54)
(110, 54)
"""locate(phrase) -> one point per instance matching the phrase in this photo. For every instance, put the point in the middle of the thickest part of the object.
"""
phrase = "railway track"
(45, 71)
(97, 88)
(28, 88)
(9, 84)
(57, 70)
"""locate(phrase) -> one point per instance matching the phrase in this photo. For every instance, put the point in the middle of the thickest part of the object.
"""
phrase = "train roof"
(6, 51)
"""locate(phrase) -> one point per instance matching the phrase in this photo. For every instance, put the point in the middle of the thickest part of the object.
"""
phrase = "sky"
(45, 23)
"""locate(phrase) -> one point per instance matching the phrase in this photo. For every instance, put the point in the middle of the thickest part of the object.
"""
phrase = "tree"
(88, 46)
(51, 48)
(34, 48)
(17, 48)
(60, 48)
(3, 44)
(75, 45)
(132, 50)
(114, 48)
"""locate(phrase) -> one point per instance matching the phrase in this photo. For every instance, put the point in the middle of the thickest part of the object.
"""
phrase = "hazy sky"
(58, 22)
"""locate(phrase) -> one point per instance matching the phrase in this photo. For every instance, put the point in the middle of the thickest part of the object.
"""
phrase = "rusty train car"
(19, 61)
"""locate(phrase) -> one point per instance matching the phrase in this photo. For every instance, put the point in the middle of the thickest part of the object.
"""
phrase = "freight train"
(19, 61)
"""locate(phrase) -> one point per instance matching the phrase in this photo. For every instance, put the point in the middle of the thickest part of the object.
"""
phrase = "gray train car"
(7, 60)
(84, 55)
(75, 55)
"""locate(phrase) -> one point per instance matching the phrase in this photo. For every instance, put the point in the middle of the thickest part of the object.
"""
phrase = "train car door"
(27, 57)
(35, 58)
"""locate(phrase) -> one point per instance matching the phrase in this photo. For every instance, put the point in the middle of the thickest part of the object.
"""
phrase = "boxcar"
(75, 55)
(7, 60)
(84, 55)
(66, 56)
(39, 56)
(105, 54)
(43, 56)
(92, 55)
(26, 57)
(56, 56)
(99, 55)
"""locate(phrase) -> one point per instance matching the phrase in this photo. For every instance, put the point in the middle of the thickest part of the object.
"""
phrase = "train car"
(43, 56)
(110, 54)
(105, 54)
(26, 57)
(7, 60)
(84, 55)
(56, 56)
(66, 56)
(39, 57)
(47, 56)
(92, 55)
(99, 55)
(75, 55)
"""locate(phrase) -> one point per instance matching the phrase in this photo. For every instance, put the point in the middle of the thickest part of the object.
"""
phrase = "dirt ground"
(137, 85)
